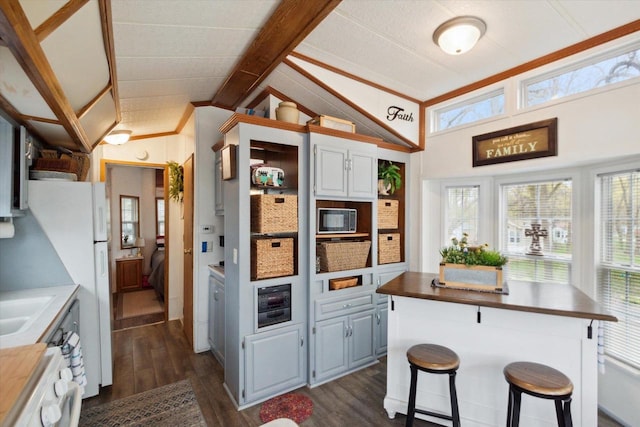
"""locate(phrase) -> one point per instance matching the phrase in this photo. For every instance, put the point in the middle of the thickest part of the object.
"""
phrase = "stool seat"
(540, 381)
(433, 357)
(537, 378)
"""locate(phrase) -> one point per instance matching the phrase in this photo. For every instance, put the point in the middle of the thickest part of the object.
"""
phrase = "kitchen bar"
(556, 325)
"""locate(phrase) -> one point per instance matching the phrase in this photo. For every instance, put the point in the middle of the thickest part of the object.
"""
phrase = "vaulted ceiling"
(158, 59)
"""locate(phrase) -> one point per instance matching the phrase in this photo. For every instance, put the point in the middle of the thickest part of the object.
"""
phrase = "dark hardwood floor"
(152, 356)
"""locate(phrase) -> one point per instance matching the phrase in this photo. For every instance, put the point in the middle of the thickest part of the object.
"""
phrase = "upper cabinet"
(344, 168)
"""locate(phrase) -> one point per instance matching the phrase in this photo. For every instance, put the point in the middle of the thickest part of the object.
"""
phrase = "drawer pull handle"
(275, 244)
(279, 200)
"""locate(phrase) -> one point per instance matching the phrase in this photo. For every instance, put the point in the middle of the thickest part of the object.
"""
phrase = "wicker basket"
(271, 258)
(338, 256)
(388, 248)
(274, 213)
(387, 214)
(342, 283)
(68, 165)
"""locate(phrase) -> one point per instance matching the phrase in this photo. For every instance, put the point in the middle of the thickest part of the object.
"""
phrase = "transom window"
(536, 230)
(619, 266)
(599, 71)
(472, 110)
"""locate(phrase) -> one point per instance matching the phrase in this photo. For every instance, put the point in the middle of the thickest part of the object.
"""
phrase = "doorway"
(137, 194)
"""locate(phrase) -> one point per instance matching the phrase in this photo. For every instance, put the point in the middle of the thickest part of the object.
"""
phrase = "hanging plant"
(176, 181)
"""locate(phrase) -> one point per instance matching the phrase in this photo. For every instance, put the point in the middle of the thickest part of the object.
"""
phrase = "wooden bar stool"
(541, 381)
(434, 359)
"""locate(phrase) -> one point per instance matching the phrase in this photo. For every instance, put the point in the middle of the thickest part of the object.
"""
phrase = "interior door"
(188, 249)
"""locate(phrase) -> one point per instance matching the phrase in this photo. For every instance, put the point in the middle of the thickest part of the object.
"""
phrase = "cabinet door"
(331, 171)
(274, 362)
(331, 347)
(129, 274)
(212, 313)
(382, 317)
(361, 339)
(217, 185)
(363, 174)
(218, 328)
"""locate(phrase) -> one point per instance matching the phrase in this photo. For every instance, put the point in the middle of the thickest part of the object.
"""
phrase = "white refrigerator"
(73, 215)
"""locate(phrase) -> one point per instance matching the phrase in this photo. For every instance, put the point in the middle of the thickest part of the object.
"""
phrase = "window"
(159, 216)
(542, 255)
(472, 110)
(600, 71)
(619, 264)
(129, 225)
(462, 213)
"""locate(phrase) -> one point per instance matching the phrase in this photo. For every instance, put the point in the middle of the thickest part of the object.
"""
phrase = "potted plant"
(473, 267)
(389, 178)
(176, 181)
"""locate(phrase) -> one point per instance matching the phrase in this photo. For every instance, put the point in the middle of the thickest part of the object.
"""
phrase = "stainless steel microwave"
(336, 220)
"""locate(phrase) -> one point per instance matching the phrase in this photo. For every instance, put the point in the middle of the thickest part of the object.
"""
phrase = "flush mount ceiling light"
(459, 35)
(117, 137)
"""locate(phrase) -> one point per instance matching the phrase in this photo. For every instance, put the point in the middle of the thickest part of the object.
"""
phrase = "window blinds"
(546, 203)
(619, 264)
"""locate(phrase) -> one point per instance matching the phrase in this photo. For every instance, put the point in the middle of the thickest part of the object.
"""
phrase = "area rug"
(296, 407)
(140, 303)
(172, 405)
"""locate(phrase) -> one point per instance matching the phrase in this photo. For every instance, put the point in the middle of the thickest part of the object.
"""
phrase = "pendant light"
(459, 35)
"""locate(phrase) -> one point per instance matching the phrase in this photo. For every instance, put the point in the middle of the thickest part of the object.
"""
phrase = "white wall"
(592, 129)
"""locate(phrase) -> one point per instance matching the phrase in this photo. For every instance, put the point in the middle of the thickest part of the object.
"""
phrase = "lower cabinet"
(216, 318)
(344, 343)
(275, 362)
(382, 317)
(129, 274)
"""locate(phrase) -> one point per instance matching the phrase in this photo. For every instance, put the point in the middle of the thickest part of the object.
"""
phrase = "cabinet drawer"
(341, 306)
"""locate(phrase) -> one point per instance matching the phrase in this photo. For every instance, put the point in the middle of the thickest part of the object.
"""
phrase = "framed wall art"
(529, 141)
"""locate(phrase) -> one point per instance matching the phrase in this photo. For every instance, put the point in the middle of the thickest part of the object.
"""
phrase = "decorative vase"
(287, 112)
(383, 190)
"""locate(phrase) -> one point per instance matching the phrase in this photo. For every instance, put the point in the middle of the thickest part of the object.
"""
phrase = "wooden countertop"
(559, 300)
(17, 366)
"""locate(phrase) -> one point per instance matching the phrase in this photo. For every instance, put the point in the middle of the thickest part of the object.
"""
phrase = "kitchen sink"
(15, 314)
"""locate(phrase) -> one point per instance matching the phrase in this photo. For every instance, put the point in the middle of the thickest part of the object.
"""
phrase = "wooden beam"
(21, 40)
(107, 36)
(58, 18)
(290, 23)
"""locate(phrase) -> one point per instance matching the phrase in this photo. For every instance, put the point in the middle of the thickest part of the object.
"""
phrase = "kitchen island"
(556, 325)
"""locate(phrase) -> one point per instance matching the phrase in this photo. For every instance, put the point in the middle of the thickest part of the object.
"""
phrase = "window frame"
(160, 199)
(136, 224)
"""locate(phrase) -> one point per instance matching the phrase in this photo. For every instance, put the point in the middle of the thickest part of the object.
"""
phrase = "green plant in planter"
(390, 175)
(176, 181)
(461, 253)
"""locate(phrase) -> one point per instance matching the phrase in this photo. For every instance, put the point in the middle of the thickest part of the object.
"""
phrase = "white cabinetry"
(343, 343)
(344, 168)
(264, 358)
(216, 318)
(275, 361)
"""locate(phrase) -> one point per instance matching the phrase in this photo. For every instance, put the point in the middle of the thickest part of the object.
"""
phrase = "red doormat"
(296, 407)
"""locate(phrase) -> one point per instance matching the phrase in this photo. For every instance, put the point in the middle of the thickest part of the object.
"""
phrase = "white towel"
(601, 346)
(72, 353)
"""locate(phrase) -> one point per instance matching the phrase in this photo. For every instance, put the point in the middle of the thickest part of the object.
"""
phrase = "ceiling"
(171, 55)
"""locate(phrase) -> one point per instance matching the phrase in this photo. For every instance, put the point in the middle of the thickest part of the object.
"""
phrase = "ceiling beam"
(289, 24)
(17, 33)
(58, 18)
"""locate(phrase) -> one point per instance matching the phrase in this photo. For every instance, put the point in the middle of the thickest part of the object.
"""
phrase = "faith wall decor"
(529, 141)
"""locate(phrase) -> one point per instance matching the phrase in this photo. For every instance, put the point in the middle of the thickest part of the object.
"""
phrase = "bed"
(156, 278)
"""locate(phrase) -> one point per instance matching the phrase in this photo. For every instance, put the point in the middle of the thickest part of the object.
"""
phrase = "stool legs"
(411, 407)
(455, 414)
(563, 409)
